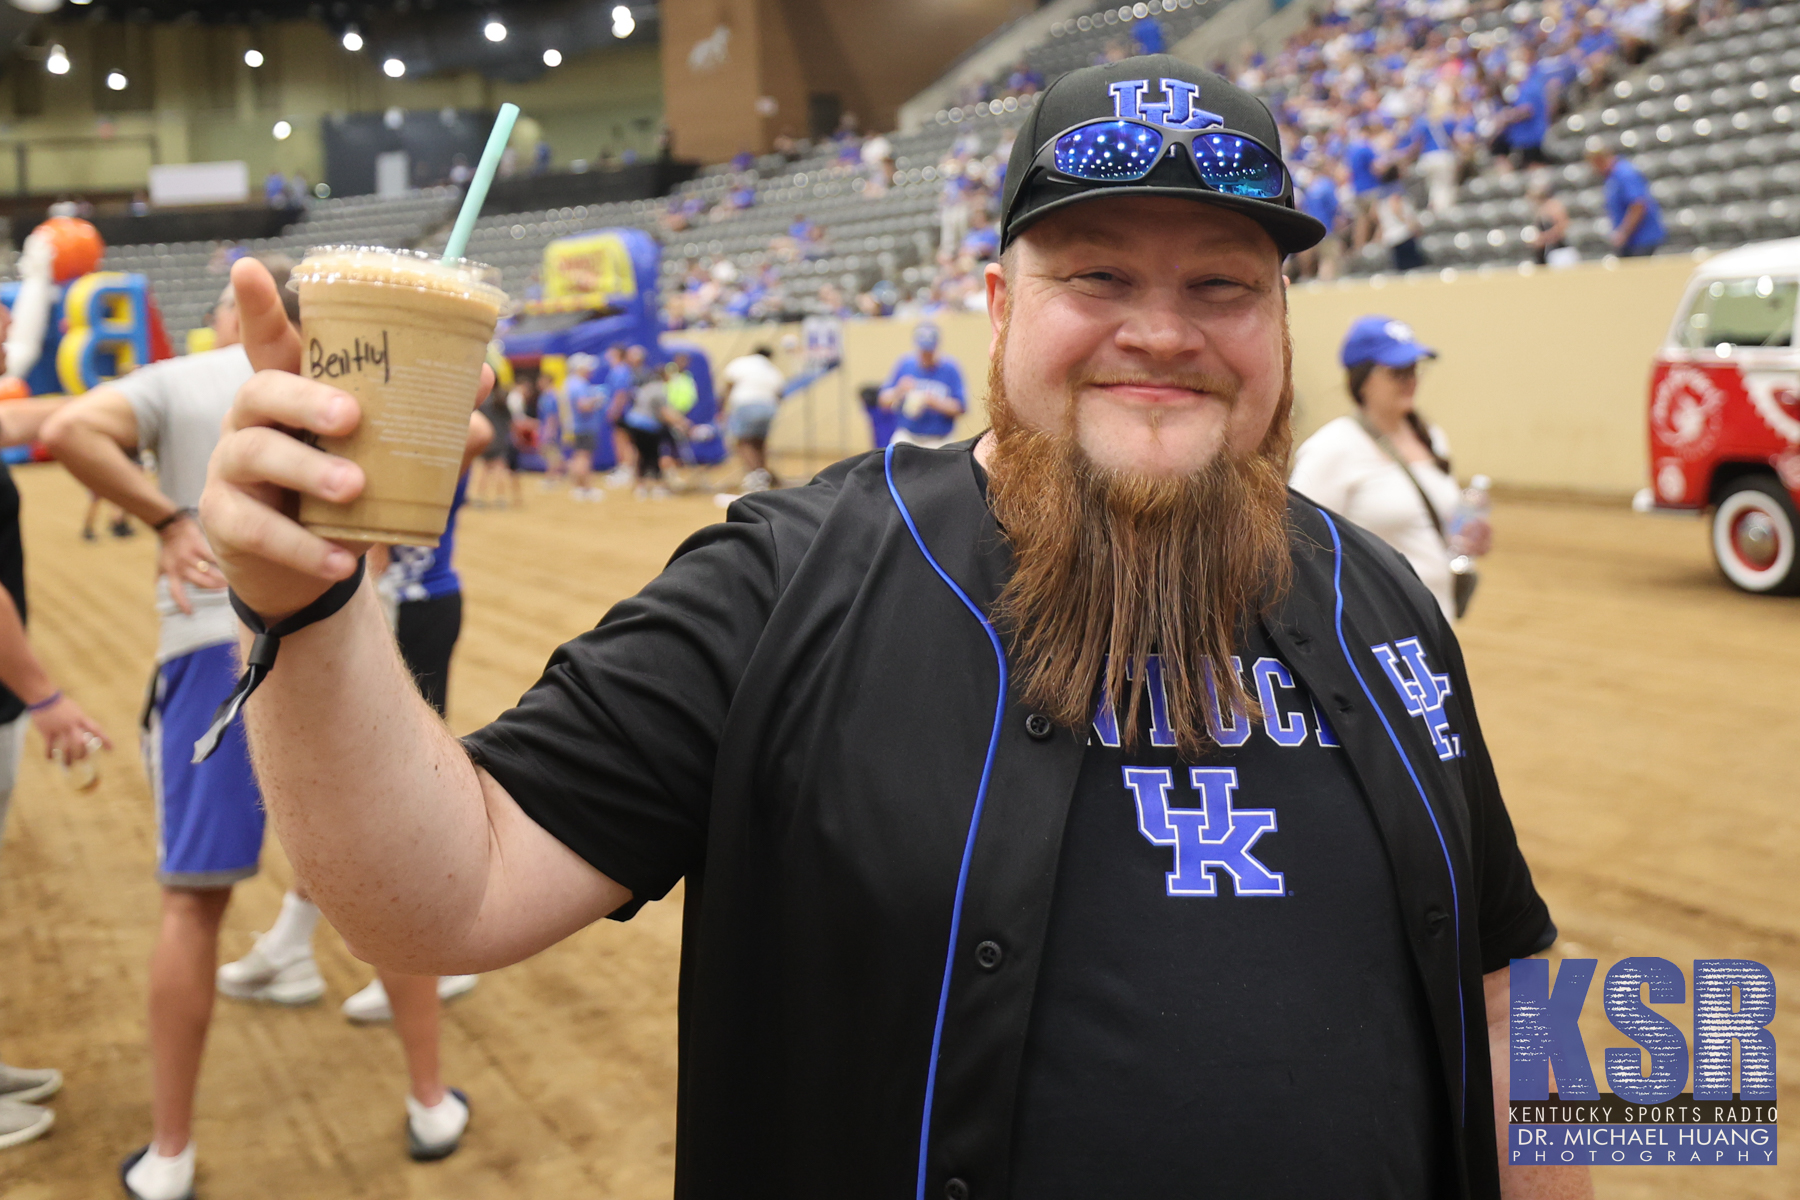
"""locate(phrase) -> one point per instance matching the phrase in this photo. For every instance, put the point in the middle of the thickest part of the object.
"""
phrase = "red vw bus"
(1725, 413)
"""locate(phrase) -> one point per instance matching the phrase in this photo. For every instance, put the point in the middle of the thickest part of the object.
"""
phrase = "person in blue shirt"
(1529, 119)
(1637, 225)
(552, 432)
(623, 370)
(1148, 32)
(926, 390)
(1364, 163)
(1317, 194)
(584, 405)
(982, 242)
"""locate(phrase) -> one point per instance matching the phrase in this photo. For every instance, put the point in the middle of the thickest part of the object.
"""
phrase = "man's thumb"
(269, 339)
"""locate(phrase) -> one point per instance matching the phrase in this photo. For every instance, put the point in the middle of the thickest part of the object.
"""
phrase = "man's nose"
(1158, 329)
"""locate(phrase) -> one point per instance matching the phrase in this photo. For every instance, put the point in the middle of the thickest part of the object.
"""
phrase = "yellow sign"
(590, 268)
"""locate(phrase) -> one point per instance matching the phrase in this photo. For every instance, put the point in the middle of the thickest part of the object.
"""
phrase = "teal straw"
(476, 196)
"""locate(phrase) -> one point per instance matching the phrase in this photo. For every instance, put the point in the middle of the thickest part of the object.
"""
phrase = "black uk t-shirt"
(1227, 1005)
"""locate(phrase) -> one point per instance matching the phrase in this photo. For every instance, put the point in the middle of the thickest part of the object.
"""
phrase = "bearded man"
(1070, 813)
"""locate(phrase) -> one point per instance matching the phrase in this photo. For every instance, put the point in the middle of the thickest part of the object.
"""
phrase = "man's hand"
(186, 558)
(260, 468)
(66, 731)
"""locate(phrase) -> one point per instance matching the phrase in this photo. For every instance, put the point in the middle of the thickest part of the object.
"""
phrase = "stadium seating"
(1713, 122)
(187, 276)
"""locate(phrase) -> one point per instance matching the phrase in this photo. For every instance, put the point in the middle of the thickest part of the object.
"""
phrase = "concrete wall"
(1540, 382)
(192, 99)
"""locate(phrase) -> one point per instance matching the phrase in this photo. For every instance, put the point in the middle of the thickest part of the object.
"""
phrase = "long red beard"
(1110, 567)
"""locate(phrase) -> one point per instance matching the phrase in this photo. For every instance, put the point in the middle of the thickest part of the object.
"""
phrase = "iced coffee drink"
(406, 335)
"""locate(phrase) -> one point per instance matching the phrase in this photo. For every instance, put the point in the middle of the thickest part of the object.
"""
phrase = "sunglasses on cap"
(1124, 151)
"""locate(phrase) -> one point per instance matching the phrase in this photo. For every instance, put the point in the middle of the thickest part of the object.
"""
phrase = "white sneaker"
(20, 1123)
(256, 976)
(28, 1085)
(620, 476)
(147, 1175)
(435, 1132)
(370, 1005)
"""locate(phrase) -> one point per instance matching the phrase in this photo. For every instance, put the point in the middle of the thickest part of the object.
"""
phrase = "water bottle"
(1475, 505)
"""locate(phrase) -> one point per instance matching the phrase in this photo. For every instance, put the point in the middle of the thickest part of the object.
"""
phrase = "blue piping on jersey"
(1337, 572)
(962, 873)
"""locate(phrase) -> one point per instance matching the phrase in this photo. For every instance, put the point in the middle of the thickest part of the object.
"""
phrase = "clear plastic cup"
(406, 335)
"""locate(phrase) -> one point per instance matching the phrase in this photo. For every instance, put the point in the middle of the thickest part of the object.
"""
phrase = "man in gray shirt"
(209, 814)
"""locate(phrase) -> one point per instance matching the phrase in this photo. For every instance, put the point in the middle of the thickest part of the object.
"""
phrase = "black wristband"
(261, 658)
(172, 518)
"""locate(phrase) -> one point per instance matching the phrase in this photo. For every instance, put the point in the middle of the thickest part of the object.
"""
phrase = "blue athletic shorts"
(209, 815)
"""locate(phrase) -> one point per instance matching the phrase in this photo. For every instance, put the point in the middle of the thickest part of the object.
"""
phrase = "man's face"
(635, 356)
(1153, 324)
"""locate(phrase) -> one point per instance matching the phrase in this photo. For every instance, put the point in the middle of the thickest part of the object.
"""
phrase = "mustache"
(1224, 386)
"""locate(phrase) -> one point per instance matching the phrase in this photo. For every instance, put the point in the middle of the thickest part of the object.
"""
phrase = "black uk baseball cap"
(1160, 90)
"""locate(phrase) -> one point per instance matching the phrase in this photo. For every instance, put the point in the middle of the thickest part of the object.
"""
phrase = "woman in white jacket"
(1380, 466)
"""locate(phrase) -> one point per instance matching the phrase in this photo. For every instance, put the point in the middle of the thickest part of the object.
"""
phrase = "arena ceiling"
(430, 36)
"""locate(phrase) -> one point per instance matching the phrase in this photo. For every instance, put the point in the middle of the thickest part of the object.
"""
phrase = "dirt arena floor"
(1643, 716)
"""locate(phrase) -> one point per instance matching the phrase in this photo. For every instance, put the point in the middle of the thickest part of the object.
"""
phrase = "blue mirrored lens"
(1108, 150)
(1239, 167)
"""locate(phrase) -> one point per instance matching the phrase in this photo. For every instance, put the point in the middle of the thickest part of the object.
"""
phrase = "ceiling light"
(116, 81)
(352, 40)
(494, 31)
(553, 58)
(253, 58)
(58, 61)
(282, 130)
(622, 22)
(393, 68)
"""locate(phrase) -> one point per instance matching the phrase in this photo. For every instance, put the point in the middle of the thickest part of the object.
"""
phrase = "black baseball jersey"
(809, 718)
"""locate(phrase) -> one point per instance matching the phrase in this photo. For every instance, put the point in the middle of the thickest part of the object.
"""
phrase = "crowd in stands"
(1390, 104)
(1386, 107)
(723, 291)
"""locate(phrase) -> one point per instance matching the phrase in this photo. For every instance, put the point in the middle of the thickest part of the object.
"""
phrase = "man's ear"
(999, 299)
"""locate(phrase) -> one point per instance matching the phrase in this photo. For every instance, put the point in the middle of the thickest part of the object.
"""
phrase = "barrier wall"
(1540, 381)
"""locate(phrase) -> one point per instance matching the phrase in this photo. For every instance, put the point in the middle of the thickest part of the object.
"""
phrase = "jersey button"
(988, 955)
(956, 1189)
(1038, 726)
(1436, 919)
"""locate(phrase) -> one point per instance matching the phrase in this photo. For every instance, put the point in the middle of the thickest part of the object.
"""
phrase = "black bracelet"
(261, 658)
(174, 517)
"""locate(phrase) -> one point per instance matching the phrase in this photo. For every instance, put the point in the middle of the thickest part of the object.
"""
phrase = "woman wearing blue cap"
(1384, 467)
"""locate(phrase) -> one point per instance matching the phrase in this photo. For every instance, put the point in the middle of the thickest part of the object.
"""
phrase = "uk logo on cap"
(1176, 112)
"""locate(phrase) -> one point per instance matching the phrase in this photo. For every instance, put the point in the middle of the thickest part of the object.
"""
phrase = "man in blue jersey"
(624, 370)
(926, 389)
(584, 406)
(1637, 225)
(1529, 120)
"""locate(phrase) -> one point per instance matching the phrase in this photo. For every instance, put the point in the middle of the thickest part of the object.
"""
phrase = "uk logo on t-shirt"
(1194, 809)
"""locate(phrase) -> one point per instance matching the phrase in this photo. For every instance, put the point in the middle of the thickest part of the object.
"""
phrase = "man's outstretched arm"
(423, 862)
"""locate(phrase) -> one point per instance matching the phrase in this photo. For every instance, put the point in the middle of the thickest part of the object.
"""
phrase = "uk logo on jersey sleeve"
(1421, 690)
